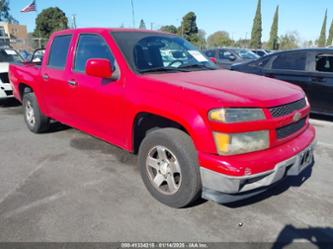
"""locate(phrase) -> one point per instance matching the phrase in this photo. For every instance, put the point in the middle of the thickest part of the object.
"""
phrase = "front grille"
(290, 129)
(9, 93)
(4, 77)
(284, 110)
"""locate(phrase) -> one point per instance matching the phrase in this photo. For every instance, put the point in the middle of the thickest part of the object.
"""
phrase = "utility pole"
(151, 26)
(74, 21)
(133, 14)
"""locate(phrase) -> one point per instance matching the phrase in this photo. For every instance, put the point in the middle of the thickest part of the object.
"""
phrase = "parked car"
(311, 69)
(25, 55)
(261, 52)
(226, 57)
(197, 130)
(7, 55)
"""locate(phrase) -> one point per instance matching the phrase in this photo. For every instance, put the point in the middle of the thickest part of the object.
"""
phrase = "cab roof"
(101, 29)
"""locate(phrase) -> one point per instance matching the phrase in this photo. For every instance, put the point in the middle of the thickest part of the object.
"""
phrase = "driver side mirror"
(99, 68)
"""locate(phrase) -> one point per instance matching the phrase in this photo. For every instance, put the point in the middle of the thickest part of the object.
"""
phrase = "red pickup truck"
(198, 130)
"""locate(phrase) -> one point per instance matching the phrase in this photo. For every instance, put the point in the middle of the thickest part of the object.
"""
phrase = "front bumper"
(5, 90)
(227, 188)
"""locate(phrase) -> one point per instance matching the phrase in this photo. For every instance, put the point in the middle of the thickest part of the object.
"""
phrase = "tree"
(322, 37)
(5, 12)
(202, 42)
(256, 33)
(289, 41)
(242, 43)
(169, 28)
(307, 44)
(330, 36)
(50, 20)
(142, 24)
(274, 38)
(219, 39)
(189, 29)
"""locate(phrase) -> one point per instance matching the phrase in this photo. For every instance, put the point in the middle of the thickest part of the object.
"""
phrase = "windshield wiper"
(196, 65)
(163, 69)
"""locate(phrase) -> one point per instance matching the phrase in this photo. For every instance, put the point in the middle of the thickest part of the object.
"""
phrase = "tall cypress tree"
(142, 24)
(322, 37)
(274, 37)
(257, 28)
(330, 36)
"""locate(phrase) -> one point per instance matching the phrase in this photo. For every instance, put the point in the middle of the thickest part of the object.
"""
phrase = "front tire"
(34, 118)
(169, 167)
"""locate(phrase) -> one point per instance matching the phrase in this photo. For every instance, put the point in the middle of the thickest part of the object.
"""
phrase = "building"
(17, 34)
(4, 38)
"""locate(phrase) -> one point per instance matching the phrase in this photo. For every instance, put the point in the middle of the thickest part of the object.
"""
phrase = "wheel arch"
(144, 122)
(24, 88)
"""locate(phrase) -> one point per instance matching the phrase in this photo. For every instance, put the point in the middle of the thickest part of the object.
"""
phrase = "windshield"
(9, 55)
(153, 52)
(246, 54)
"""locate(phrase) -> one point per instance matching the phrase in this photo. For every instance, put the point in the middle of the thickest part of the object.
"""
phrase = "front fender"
(187, 116)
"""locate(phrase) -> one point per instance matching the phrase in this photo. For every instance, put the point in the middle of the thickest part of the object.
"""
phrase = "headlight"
(234, 115)
(240, 143)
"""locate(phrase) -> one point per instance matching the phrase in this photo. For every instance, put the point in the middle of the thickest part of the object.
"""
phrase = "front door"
(96, 103)
(290, 67)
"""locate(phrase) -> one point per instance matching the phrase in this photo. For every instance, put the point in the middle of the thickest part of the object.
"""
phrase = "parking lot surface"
(66, 186)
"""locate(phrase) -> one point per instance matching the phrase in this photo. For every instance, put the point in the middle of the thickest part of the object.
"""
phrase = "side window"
(291, 61)
(261, 62)
(225, 55)
(59, 51)
(91, 46)
(324, 63)
(210, 53)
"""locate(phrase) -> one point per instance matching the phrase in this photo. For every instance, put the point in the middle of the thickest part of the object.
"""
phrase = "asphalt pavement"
(66, 186)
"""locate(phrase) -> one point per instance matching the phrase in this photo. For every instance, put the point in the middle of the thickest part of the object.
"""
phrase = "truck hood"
(234, 88)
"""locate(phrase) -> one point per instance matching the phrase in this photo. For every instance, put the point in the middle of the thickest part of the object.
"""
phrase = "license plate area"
(306, 158)
(303, 160)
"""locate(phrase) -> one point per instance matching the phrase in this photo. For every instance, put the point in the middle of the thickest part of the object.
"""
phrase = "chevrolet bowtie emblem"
(297, 116)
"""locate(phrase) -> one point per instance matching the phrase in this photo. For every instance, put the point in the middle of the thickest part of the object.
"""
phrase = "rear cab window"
(59, 52)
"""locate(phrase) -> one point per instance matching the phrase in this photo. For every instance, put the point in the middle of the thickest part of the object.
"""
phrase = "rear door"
(54, 78)
(321, 92)
(291, 67)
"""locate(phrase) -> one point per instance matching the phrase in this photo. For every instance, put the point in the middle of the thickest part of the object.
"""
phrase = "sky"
(233, 16)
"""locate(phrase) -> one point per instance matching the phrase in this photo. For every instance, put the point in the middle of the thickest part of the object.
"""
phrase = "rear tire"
(34, 119)
(169, 167)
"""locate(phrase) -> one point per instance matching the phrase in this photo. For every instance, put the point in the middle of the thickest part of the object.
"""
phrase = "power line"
(133, 14)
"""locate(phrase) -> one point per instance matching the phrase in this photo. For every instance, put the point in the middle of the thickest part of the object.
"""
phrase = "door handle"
(45, 76)
(72, 82)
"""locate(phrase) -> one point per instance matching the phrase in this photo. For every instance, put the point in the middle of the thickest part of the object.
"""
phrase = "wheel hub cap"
(30, 114)
(163, 170)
